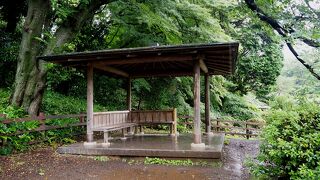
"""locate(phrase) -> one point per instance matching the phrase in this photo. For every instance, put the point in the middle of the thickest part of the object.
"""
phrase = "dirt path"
(45, 163)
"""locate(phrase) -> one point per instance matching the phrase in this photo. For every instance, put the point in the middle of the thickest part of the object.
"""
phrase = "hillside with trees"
(278, 64)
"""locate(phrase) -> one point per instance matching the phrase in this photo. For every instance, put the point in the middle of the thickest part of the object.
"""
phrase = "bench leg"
(141, 129)
(131, 132)
(106, 139)
(123, 134)
(171, 129)
(136, 130)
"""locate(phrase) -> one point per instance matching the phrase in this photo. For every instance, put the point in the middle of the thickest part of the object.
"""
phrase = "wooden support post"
(196, 92)
(129, 94)
(207, 104)
(89, 103)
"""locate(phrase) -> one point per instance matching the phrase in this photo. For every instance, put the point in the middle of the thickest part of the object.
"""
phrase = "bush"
(235, 106)
(55, 103)
(291, 143)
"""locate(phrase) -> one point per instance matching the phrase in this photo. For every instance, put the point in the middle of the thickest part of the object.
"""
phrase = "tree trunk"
(30, 78)
(29, 49)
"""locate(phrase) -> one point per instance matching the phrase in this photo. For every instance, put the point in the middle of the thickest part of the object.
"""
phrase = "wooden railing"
(110, 118)
(246, 128)
(42, 122)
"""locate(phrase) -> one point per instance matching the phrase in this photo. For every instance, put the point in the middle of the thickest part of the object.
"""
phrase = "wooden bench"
(121, 120)
(155, 117)
(111, 121)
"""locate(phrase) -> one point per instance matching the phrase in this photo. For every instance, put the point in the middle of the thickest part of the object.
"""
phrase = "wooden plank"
(36, 118)
(169, 117)
(235, 127)
(110, 69)
(89, 102)
(239, 122)
(111, 112)
(137, 111)
(196, 92)
(138, 60)
(45, 129)
(175, 73)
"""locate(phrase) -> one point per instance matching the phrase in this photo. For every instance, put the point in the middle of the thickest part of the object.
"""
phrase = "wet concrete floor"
(152, 145)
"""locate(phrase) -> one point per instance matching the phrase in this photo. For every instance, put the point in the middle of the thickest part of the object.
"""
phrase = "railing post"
(218, 128)
(42, 119)
(81, 119)
(247, 131)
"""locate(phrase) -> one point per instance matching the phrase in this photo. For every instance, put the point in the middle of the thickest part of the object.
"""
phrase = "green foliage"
(168, 162)
(8, 110)
(295, 80)
(235, 106)
(101, 158)
(230, 104)
(54, 103)
(283, 102)
(173, 162)
(291, 142)
(9, 45)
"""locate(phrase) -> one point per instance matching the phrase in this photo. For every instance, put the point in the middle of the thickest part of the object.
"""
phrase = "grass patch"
(101, 158)
(174, 162)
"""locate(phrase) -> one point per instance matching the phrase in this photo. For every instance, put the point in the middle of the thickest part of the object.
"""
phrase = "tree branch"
(284, 33)
(312, 9)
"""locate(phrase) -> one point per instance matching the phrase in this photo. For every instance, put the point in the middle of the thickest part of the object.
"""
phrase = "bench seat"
(114, 127)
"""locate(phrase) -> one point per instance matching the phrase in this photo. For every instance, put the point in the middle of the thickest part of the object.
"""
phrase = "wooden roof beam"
(202, 64)
(111, 70)
(161, 74)
(135, 60)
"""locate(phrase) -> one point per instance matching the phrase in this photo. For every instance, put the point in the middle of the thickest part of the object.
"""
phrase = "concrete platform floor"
(152, 146)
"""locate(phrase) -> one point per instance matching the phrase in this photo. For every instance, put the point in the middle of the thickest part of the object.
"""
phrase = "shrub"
(235, 106)
(291, 143)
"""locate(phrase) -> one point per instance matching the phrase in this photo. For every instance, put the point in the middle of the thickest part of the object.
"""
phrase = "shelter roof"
(177, 60)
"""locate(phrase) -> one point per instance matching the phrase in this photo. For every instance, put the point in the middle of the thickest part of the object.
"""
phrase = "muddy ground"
(45, 163)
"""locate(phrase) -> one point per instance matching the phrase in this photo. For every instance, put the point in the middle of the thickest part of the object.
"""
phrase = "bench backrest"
(153, 116)
(110, 118)
(101, 119)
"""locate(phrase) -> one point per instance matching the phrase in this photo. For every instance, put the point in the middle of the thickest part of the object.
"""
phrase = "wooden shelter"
(157, 61)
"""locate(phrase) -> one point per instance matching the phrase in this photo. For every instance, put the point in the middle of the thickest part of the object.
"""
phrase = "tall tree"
(48, 26)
